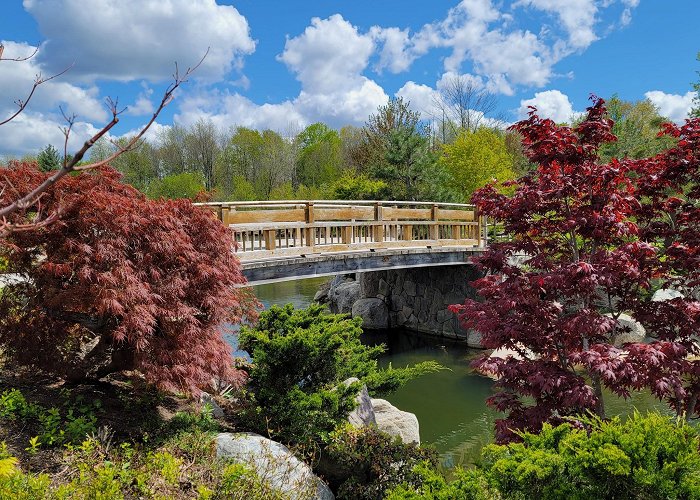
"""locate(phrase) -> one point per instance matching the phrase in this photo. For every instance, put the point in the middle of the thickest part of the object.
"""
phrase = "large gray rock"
(275, 465)
(343, 296)
(206, 399)
(629, 331)
(363, 414)
(396, 422)
(374, 313)
(664, 294)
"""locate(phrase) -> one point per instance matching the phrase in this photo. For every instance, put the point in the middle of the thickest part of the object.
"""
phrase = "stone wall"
(416, 299)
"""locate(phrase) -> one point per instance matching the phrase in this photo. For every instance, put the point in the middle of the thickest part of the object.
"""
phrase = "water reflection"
(450, 405)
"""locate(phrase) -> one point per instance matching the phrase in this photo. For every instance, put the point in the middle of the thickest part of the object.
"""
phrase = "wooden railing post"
(435, 228)
(270, 236)
(310, 230)
(378, 229)
(479, 226)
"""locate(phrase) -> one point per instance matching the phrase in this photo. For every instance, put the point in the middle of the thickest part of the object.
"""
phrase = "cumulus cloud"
(328, 56)
(133, 39)
(143, 104)
(420, 97)
(17, 78)
(550, 104)
(30, 132)
(475, 30)
(226, 109)
(395, 54)
(578, 17)
(673, 106)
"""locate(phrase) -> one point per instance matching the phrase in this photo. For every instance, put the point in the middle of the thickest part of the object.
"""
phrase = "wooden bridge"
(283, 240)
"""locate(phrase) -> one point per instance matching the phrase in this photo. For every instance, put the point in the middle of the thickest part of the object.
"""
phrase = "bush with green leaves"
(185, 185)
(430, 484)
(300, 357)
(363, 463)
(651, 457)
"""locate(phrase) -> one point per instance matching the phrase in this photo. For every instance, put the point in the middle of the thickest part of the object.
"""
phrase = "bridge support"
(416, 299)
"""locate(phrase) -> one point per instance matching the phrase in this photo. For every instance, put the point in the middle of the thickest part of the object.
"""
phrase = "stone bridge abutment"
(415, 299)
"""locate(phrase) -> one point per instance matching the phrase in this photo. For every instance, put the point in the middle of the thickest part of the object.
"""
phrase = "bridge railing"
(279, 228)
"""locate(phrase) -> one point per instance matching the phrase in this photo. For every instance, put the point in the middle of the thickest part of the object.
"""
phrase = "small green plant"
(364, 463)
(52, 434)
(14, 405)
(34, 445)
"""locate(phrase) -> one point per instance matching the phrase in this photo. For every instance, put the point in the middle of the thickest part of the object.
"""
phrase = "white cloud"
(550, 104)
(626, 16)
(578, 17)
(143, 104)
(421, 97)
(328, 56)
(227, 109)
(673, 106)
(30, 132)
(17, 78)
(395, 54)
(131, 39)
(475, 30)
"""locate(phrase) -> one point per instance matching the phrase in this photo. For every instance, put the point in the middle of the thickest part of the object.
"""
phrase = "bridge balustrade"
(264, 229)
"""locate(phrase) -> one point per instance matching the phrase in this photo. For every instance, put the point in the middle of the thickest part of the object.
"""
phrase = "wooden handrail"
(299, 227)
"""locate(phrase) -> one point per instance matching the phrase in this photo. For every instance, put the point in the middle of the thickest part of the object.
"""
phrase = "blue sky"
(285, 64)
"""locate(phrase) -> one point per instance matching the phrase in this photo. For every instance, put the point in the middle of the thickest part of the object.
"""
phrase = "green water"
(450, 405)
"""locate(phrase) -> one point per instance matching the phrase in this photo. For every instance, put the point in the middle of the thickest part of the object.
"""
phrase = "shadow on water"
(450, 404)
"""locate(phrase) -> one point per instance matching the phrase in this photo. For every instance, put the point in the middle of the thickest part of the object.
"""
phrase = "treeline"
(398, 154)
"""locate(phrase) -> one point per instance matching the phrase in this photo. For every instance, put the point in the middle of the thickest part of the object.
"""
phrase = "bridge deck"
(280, 240)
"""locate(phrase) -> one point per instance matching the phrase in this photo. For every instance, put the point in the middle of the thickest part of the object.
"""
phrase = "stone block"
(374, 313)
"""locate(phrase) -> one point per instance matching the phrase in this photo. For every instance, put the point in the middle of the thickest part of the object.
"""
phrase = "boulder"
(321, 296)
(632, 331)
(664, 294)
(396, 422)
(342, 297)
(374, 313)
(206, 399)
(274, 463)
(363, 414)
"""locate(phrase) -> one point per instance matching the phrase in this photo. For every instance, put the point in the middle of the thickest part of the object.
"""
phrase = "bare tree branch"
(72, 165)
(17, 59)
(38, 80)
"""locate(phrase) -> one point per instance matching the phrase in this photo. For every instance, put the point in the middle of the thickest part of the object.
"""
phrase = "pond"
(450, 405)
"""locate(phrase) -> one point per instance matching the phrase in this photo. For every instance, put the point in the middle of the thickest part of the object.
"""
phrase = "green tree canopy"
(636, 127)
(474, 159)
(319, 157)
(395, 148)
(184, 185)
(49, 159)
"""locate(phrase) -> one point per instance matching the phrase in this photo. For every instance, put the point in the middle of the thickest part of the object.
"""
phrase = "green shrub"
(359, 187)
(300, 359)
(649, 457)
(185, 185)
(364, 463)
(467, 485)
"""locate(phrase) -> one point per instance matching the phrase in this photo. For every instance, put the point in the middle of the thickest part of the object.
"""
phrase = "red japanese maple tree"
(118, 282)
(589, 251)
